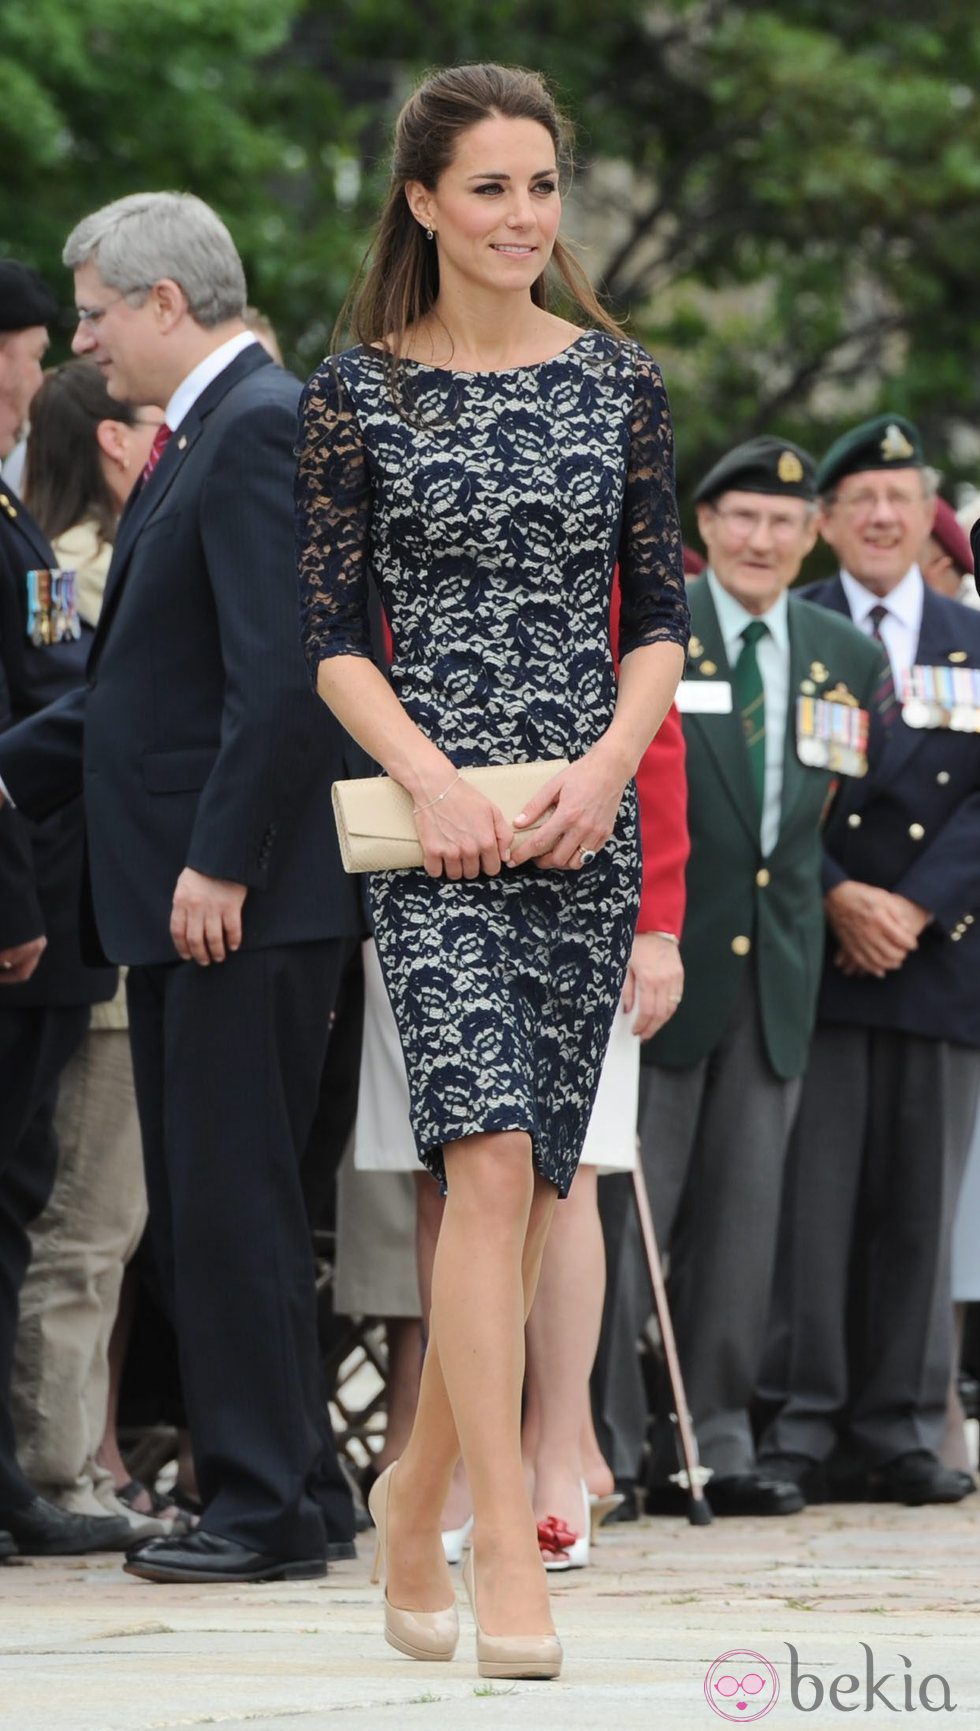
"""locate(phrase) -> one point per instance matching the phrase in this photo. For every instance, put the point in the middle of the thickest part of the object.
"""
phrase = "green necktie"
(750, 695)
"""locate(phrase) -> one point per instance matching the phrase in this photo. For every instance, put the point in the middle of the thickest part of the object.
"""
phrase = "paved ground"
(84, 1648)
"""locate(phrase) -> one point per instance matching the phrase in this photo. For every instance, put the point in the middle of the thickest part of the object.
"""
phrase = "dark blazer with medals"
(740, 903)
(40, 862)
(914, 827)
(199, 739)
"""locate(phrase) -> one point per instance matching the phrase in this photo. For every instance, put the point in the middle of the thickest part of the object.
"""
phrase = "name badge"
(832, 736)
(52, 615)
(703, 697)
(942, 697)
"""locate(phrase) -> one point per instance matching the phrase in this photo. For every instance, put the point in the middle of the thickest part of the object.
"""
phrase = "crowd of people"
(459, 546)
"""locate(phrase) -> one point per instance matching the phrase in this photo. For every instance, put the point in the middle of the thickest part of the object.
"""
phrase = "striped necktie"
(751, 698)
(885, 701)
(160, 438)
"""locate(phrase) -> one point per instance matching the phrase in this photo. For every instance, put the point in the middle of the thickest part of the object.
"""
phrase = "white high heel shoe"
(455, 1540)
(575, 1555)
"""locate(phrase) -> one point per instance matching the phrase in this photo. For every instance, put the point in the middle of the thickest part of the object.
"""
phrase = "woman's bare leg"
(430, 1205)
(403, 1339)
(562, 1337)
(485, 1273)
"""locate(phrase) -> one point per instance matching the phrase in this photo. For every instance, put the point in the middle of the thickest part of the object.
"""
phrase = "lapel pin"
(818, 672)
(807, 687)
(695, 648)
(708, 667)
(182, 442)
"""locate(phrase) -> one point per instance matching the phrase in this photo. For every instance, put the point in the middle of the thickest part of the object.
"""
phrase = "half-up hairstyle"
(63, 479)
(399, 280)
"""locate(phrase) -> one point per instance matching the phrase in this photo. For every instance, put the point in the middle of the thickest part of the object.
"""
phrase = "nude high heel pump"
(510, 1655)
(428, 1635)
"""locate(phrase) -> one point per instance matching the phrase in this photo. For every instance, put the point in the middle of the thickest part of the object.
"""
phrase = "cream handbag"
(375, 826)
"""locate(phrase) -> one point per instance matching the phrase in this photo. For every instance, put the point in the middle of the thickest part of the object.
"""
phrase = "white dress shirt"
(772, 654)
(197, 381)
(902, 623)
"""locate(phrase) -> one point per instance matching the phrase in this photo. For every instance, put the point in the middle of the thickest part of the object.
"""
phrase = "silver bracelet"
(671, 937)
(431, 802)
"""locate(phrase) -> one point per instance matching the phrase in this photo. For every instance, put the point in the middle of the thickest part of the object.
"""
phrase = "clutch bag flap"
(375, 825)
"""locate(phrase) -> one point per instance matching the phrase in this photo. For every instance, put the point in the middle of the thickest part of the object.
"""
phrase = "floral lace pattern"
(491, 509)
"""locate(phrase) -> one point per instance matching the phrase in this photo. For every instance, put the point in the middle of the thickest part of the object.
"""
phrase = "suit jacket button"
(762, 877)
(854, 821)
(916, 831)
(741, 945)
(955, 937)
(943, 777)
(968, 919)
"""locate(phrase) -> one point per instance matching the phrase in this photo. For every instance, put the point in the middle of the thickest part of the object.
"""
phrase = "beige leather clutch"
(375, 825)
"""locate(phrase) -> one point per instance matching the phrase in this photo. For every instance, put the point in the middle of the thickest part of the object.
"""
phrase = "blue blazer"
(198, 739)
(913, 826)
(40, 863)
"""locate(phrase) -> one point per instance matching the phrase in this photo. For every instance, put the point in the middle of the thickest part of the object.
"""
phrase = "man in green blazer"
(777, 702)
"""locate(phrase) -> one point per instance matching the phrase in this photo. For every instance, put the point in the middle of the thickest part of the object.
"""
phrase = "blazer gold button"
(943, 777)
(916, 831)
(957, 655)
(854, 821)
(762, 877)
(741, 945)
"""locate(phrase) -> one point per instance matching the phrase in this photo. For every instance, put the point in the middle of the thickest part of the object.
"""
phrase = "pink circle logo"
(741, 1686)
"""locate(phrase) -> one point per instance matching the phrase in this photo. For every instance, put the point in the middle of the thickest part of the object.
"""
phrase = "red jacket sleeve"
(661, 783)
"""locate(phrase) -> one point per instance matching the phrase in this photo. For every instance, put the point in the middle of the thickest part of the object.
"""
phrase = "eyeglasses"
(863, 503)
(742, 523)
(93, 316)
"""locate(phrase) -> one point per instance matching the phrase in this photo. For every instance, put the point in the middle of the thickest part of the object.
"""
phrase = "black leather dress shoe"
(7, 1547)
(43, 1530)
(341, 1551)
(203, 1556)
(739, 1494)
(917, 1478)
(802, 1471)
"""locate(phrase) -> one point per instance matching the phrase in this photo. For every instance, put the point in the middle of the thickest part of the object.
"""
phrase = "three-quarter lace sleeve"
(333, 503)
(651, 554)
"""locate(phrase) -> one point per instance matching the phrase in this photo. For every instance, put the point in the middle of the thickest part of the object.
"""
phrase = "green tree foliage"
(781, 199)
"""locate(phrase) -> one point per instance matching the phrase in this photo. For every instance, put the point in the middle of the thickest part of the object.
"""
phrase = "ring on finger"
(586, 855)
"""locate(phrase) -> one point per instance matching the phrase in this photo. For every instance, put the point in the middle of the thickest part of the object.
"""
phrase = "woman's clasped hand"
(463, 833)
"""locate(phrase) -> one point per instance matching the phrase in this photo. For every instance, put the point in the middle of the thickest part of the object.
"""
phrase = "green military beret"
(763, 465)
(25, 299)
(887, 442)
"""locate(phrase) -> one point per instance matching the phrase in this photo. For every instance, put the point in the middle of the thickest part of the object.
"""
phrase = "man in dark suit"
(215, 875)
(45, 989)
(860, 1344)
(775, 708)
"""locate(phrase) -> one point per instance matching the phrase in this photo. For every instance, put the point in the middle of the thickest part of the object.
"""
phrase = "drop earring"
(429, 234)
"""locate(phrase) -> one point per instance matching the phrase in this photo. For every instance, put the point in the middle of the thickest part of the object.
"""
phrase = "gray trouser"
(80, 1245)
(713, 1139)
(860, 1338)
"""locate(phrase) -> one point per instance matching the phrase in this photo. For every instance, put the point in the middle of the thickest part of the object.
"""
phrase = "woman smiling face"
(495, 210)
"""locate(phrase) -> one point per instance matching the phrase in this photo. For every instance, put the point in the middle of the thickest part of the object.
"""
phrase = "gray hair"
(136, 241)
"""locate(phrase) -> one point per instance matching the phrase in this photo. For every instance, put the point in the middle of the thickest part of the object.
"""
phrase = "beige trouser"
(80, 1246)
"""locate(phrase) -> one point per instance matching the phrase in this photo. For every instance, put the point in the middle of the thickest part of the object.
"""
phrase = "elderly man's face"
(877, 523)
(756, 543)
(21, 354)
(120, 337)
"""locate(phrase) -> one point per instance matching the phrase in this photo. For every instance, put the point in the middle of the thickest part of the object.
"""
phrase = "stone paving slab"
(85, 1648)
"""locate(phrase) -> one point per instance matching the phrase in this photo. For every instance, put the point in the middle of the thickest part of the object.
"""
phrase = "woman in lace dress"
(485, 463)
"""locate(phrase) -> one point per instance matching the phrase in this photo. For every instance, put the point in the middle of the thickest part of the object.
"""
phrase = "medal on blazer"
(942, 697)
(52, 614)
(832, 734)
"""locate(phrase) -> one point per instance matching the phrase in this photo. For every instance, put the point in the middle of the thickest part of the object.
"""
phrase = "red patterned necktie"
(160, 438)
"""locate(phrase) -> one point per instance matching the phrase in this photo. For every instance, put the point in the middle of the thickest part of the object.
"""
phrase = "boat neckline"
(488, 373)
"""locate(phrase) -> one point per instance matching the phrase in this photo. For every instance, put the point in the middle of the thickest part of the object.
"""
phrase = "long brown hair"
(63, 479)
(399, 280)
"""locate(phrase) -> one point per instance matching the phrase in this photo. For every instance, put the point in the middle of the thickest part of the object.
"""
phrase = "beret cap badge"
(895, 447)
(789, 468)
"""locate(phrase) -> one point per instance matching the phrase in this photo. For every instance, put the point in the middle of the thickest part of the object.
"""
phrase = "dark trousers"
(228, 1062)
(860, 1340)
(35, 1046)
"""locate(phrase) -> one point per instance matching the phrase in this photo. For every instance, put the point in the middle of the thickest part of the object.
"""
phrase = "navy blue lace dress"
(490, 509)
